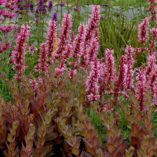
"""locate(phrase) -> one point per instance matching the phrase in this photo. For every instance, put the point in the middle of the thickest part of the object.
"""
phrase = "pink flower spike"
(42, 65)
(51, 40)
(141, 88)
(92, 83)
(109, 67)
(79, 43)
(18, 54)
(95, 18)
(151, 66)
(143, 33)
(120, 84)
(130, 63)
(65, 35)
(67, 52)
(92, 51)
(93, 23)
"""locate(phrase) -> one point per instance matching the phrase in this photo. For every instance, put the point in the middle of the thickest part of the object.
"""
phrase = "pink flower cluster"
(92, 86)
(18, 54)
(82, 49)
(120, 84)
(51, 40)
(107, 71)
(75, 52)
(143, 32)
(141, 89)
(79, 42)
(93, 23)
(130, 65)
(6, 29)
(151, 68)
(92, 51)
(42, 66)
(64, 35)
(103, 74)
(109, 67)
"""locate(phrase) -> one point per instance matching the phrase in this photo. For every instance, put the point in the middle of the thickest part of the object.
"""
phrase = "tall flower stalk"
(143, 31)
(64, 35)
(92, 83)
(51, 41)
(18, 54)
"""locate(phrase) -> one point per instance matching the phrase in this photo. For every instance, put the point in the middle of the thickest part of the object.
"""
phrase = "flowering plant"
(48, 113)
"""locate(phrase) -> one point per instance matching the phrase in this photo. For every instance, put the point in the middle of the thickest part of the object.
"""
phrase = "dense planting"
(63, 97)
